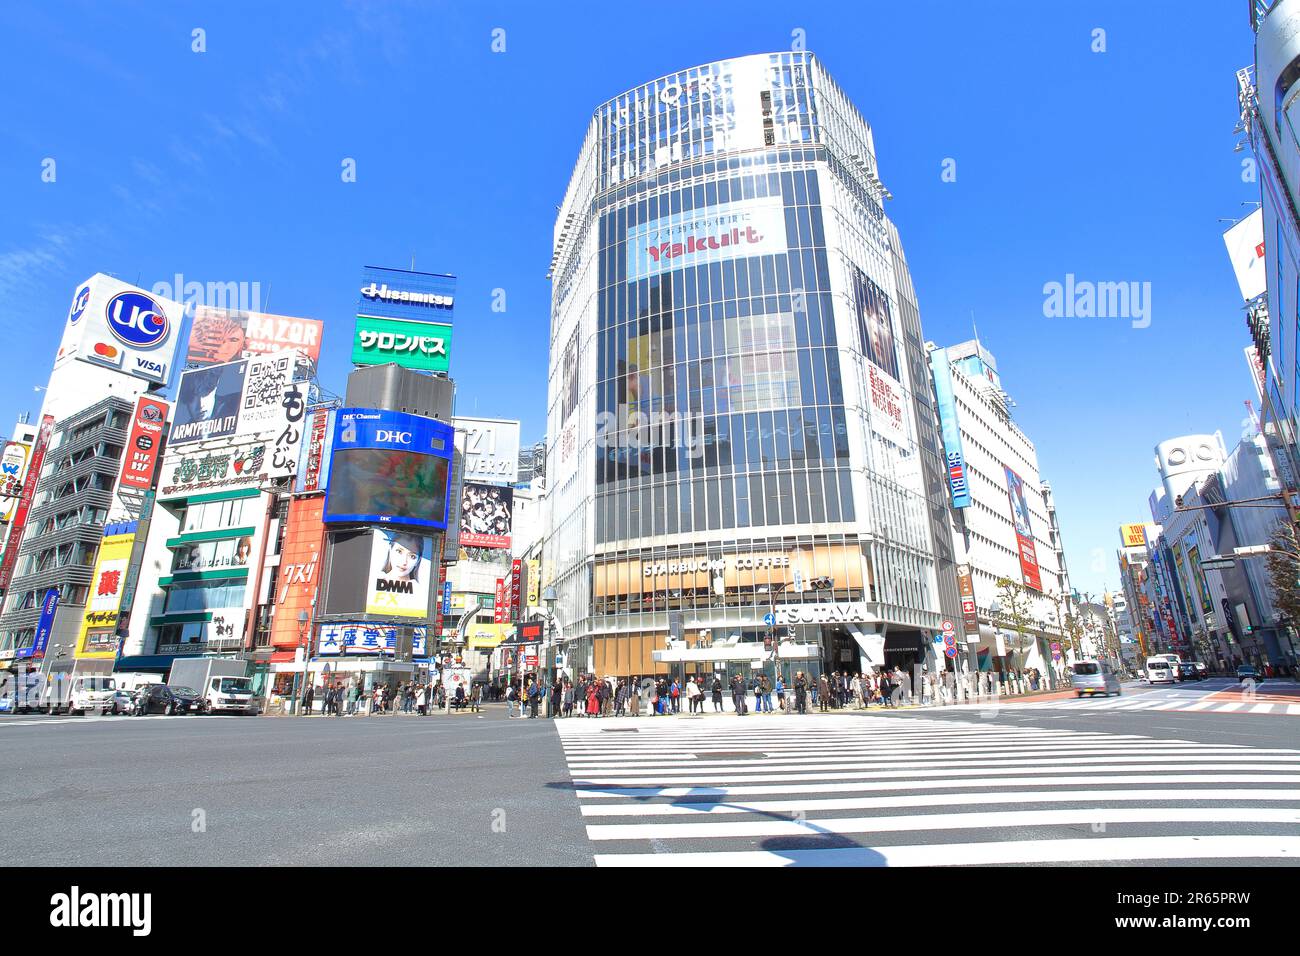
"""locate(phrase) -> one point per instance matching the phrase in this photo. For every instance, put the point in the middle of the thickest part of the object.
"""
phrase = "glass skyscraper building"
(739, 413)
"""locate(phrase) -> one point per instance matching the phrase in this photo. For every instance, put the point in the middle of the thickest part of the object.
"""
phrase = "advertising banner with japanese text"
(142, 446)
(1024, 530)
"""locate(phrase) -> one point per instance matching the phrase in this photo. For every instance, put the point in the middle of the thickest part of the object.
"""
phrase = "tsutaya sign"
(742, 562)
(822, 613)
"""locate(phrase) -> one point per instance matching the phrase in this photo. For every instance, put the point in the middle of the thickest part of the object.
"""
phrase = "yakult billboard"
(120, 326)
(750, 227)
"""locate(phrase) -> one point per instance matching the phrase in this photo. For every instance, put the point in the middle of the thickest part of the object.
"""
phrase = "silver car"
(1094, 677)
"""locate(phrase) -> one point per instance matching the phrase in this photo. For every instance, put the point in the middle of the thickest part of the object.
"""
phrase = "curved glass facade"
(718, 384)
(730, 405)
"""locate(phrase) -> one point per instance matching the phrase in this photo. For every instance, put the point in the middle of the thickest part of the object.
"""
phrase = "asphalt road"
(1244, 729)
(245, 791)
(1145, 778)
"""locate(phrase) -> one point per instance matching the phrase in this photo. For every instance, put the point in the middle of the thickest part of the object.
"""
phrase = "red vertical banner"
(1024, 530)
(516, 587)
(19, 523)
(437, 604)
(141, 458)
(499, 605)
(315, 449)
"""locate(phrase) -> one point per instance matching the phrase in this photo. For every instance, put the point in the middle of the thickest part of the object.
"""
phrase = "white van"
(1160, 671)
(93, 692)
(1093, 677)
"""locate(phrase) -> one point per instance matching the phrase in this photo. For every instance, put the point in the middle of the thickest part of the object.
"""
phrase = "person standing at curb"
(800, 693)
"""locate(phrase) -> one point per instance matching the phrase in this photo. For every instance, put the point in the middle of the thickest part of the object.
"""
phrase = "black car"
(171, 699)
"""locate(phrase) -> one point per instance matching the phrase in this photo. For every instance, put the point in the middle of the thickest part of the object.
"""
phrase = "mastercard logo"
(106, 350)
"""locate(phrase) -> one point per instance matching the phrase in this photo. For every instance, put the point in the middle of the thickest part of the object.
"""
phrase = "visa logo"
(148, 366)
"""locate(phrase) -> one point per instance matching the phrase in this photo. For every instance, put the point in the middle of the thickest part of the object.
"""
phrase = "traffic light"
(822, 583)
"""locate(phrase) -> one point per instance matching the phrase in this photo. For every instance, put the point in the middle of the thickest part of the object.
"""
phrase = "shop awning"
(872, 645)
(145, 662)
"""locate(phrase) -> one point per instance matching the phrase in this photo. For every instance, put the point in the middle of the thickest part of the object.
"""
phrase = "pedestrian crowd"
(350, 699)
(587, 695)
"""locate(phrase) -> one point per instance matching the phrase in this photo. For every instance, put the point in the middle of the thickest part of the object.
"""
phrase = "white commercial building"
(1005, 525)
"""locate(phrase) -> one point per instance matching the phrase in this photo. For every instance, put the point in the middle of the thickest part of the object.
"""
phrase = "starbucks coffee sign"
(730, 562)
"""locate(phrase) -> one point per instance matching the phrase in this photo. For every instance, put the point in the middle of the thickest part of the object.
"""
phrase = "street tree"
(1283, 563)
(1015, 604)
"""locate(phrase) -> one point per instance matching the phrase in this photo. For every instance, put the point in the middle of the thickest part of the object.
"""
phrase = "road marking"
(995, 783)
(720, 807)
(1096, 850)
(978, 820)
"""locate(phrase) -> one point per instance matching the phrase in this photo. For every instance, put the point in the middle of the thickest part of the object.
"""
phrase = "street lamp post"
(304, 622)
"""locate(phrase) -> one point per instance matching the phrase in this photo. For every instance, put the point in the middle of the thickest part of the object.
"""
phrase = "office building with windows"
(1006, 528)
(739, 419)
(72, 504)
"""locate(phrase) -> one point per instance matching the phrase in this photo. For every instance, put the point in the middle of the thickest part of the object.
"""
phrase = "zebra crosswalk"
(1215, 702)
(854, 791)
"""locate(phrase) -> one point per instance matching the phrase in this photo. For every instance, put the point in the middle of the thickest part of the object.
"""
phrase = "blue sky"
(225, 166)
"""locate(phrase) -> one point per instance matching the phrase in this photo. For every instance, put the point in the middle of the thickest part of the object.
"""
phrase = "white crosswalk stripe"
(1214, 700)
(865, 791)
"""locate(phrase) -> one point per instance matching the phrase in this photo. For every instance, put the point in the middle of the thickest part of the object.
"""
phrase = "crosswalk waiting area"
(848, 791)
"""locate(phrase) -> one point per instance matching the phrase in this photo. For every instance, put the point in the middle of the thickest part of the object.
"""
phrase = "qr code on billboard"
(266, 380)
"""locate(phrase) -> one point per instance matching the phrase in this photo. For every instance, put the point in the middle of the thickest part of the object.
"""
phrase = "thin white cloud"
(48, 254)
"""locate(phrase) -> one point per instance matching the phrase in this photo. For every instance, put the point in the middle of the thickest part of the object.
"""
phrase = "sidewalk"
(1037, 695)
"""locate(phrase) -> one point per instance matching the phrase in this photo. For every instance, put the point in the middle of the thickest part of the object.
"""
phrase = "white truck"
(222, 683)
(93, 693)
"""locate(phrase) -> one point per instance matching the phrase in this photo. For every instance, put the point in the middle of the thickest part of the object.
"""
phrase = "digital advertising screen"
(389, 467)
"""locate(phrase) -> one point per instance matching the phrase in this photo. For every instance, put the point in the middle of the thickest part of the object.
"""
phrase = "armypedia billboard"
(425, 346)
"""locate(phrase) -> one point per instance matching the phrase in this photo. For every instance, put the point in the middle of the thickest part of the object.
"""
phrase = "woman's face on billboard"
(402, 560)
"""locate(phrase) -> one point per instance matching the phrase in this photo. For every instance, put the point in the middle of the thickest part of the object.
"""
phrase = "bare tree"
(1283, 563)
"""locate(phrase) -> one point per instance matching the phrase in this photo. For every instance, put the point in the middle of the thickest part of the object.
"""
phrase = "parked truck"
(221, 683)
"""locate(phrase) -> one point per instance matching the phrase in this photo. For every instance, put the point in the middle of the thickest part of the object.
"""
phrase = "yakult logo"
(693, 244)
